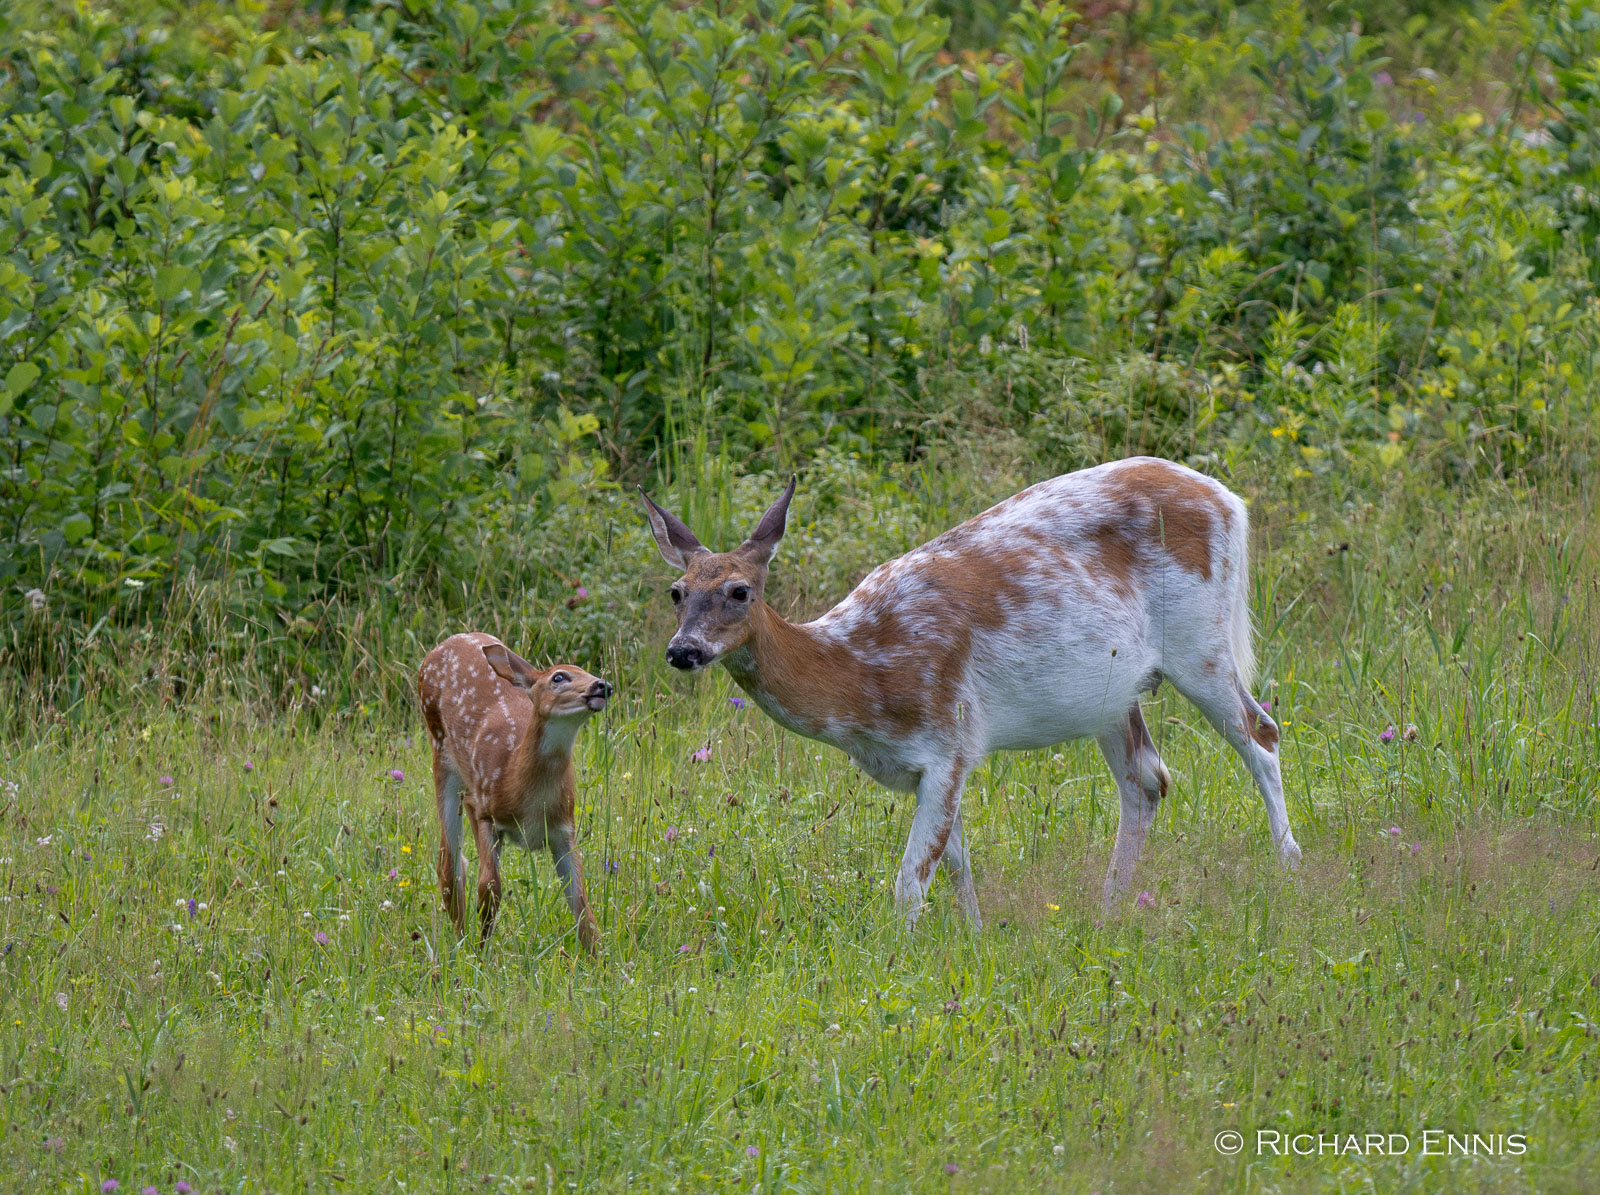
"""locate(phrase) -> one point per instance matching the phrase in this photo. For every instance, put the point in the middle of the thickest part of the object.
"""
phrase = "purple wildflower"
(54, 1143)
(183, 1188)
(672, 833)
(582, 591)
(1416, 848)
(248, 766)
(752, 1151)
(684, 949)
(397, 775)
(1394, 831)
(1265, 706)
(712, 853)
(738, 703)
(194, 907)
(1383, 78)
(951, 1168)
(394, 873)
(51, 889)
(703, 755)
(320, 938)
(166, 782)
(110, 1184)
(612, 867)
(149, 1191)
(1386, 735)
(1146, 901)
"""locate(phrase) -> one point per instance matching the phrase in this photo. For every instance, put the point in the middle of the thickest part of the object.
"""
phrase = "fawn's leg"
(488, 874)
(563, 841)
(447, 792)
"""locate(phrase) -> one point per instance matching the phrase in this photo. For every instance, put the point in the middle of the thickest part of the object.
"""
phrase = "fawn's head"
(718, 590)
(560, 691)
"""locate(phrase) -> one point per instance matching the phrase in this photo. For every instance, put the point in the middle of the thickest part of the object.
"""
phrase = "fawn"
(502, 734)
(1040, 620)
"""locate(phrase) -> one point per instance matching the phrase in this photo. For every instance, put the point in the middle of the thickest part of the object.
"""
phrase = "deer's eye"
(559, 678)
(677, 596)
(740, 593)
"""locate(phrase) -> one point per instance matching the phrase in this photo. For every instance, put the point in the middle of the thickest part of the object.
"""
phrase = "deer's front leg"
(488, 873)
(563, 841)
(938, 807)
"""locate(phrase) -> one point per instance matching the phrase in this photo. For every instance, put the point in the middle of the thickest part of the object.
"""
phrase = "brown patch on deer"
(1183, 511)
(1257, 725)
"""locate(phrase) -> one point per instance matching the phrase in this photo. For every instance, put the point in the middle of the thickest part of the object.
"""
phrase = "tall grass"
(760, 1017)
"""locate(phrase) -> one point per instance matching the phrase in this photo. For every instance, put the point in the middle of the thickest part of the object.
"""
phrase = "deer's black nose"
(600, 688)
(685, 657)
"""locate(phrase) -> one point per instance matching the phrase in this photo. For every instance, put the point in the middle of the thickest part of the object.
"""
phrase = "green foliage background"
(305, 308)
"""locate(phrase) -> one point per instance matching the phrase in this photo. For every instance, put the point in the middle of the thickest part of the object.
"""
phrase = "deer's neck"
(806, 681)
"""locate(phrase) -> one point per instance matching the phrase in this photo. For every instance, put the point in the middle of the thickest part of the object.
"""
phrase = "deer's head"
(718, 590)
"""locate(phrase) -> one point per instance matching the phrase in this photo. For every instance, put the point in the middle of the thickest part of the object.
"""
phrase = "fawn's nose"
(600, 688)
(685, 657)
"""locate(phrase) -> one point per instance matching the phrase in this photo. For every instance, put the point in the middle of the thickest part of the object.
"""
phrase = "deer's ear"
(763, 541)
(673, 537)
(510, 666)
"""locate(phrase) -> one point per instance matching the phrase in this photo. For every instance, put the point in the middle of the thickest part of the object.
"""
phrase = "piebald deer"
(502, 735)
(1040, 620)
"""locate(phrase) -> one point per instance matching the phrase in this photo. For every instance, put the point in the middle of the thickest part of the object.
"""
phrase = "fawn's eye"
(560, 678)
(740, 593)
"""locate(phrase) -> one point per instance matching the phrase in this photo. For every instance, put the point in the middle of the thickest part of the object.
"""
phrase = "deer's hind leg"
(1142, 781)
(488, 873)
(1249, 730)
(450, 863)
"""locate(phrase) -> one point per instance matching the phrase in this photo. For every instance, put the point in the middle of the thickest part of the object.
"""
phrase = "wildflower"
(752, 1151)
(712, 853)
(165, 782)
(45, 841)
(387, 905)
(55, 1143)
(183, 1188)
(582, 592)
(248, 766)
(1053, 908)
(738, 703)
(397, 775)
(110, 1184)
(1146, 901)
(684, 949)
(194, 906)
(61, 1001)
(951, 1168)
(703, 755)
(612, 867)
(1410, 735)
(320, 938)
(149, 1191)
(1386, 735)
(1058, 1150)
(405, 849)
(1416, 848)
(1394, 831)
(156, 831)
(672, 834)
(36, 600)
(394, 872)
(316, 692)
(1265, 706)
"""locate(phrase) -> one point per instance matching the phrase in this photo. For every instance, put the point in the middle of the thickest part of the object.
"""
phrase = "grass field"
(225, 962)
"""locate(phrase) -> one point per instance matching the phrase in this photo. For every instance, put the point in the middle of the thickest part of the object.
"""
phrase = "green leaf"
(75, 527)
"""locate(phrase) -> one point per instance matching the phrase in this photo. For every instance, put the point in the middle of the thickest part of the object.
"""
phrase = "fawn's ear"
(511, 666)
